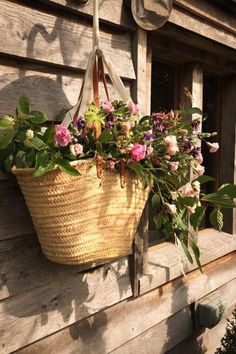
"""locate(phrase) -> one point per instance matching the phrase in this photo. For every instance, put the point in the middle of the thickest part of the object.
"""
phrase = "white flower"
(11, 120)
(171, 208)
(192, 209)
(170, 143)
(174, 166)
(29, 134)
(199, 169)
(76, 149)
(213, 147)
(197, 187)
(187, 190)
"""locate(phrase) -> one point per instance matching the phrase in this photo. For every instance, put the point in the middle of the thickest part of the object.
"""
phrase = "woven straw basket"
(83, 219)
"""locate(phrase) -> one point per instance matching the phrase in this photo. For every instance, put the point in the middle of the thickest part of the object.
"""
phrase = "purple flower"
(149, 136)
(80, 122)
(195, 124)
(196, 151)
(186, 147)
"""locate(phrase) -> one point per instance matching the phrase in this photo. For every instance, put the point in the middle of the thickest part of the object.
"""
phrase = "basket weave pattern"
(83, 219)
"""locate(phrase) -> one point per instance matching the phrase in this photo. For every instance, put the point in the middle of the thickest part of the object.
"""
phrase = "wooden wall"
(50, 308)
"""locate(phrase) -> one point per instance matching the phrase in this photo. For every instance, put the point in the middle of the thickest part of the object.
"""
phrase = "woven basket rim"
(27, 170)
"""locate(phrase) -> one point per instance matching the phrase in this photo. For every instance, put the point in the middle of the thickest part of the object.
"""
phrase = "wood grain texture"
(14, 216)
(202, 27)
(110, 11)
(207, 342)
(149, 316)
(178, 327)
(32, 34)
(210, 12)
(44, 310)
(48, 89)
(165, 261)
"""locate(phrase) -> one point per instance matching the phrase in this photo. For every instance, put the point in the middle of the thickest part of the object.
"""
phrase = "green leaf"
(66, 167)
(9, 163)
(20, 159)
(216, 219)
(156, 201)
(6, 136)
(158, 220)
(229, 189)
(5, 124)
(193, 110)
(188, 201)
(48, 136)
(37, 143)
(196, 218)
(37, 117)
(186, 251)
(23, 105)
(221, 200)
(41, 170)
(42, 158)
(143, 119)
(204, 178)
(196, 252)
(106, 136)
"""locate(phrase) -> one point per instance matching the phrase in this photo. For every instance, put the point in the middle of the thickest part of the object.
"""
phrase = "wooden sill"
(166, 262)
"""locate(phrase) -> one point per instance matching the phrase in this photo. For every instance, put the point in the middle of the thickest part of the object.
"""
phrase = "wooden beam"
(143, 320)
(44, 310)
(48, 89)
(164, 261)
(206, 29)
(61, 41)
(110, 11)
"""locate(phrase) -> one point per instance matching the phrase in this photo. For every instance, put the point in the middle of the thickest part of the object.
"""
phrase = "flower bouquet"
(86, 193)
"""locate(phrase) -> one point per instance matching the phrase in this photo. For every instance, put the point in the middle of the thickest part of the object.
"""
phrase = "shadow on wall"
(42, 297)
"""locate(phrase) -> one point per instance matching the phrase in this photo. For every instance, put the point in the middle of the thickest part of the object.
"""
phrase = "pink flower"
(138, 152)
(133, 108)
(200, 170)
(110, 164)
(126, 127)
(174, 166)
(170, 143)
(76, 149)
(192, 209)
(187, 190)
(197, 188)
(149, 151)
(174, 195)
(171, 208)
(62, 135)
(213, 147)
(199, 158)
(107, 106)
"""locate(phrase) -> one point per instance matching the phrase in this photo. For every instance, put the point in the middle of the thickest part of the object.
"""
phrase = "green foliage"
(159, 150)
(228, 342)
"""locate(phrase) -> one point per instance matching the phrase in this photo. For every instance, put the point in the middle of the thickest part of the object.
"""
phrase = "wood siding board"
(209, 11)
(110, 11)
(48, 90)
(165, 261)
(14, 216)
(23, 267)
(26, 32)
(201, 26)
(188, 37)
(44, 310)
(106, 331)
(207, 342)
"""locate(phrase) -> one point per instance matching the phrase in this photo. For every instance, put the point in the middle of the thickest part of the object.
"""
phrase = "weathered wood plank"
(106, 331)
(176, 328)
(211, 30)
(210, 12)
(206, 343)
(48, 89)
(110, 11)
(32, 34)
(165, 261)
(23, 267)
(14, 216)
(49, 308)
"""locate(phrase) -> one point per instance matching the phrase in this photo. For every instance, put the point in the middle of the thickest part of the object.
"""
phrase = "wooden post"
(228, 146)
(142, 95)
